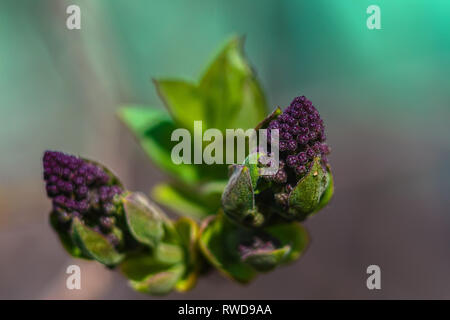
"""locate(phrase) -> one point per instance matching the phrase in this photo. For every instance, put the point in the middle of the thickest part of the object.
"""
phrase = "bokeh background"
(384, 95)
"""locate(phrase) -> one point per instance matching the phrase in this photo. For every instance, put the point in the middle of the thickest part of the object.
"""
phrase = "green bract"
(221, 239)
(168, 258)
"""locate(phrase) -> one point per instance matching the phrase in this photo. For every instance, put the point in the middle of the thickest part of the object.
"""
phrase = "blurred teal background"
(384, 96)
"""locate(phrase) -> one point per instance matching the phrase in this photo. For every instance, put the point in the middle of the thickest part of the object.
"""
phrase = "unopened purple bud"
(303, 121)
(82, 191)
(83, 206)
(61, 185)
(57, 171)
(82, 170)
(302, 139)
(68, 187)
(300, 170)
(52, 190)
(325, 149)
(310, 153)
(107, 222)
(47, 172)
(292, 145)
(71, 204)
(302, 158)
(284, 127)
(109, 208)
(292, 161)
(291, 121)
(66, 173)
(312, 135)
(280, 176)
(53, 179)
(295, 130)
(90, 179)
(79, 181)
(274, 125)
(286, 136)
(59, 201)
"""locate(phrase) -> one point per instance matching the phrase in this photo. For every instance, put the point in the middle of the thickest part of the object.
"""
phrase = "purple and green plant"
(232, 218)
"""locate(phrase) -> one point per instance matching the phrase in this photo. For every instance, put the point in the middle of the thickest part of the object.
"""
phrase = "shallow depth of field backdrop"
(384, 96)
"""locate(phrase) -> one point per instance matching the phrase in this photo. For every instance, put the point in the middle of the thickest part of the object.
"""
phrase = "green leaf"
(217, 239)
(153, 129)
(188, 232)
(264, 260)
(231, 91)
(66, 239)
(138, 266)
(94, 245)
(159, 283)
(169, 253)
(291, 234)
(184, 203)
(183, 100)
(305, 197)
(327, 195)
(238, 199)
(145, 220)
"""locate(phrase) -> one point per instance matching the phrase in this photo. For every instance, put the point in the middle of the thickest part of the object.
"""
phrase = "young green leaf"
(94, 245)
(153, 129)
(232, 93)
(183, 100)
(145, 220)
(306, 195)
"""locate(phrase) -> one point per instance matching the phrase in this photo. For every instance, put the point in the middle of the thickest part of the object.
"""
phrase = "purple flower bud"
(106, 222)
(302, 158)
(61, 185)
(292, 161)
(302, 139)
(52, 190)
(59, 201)
(280, 176)
(66, 173)
(75, 186)
(292, 145)
(303, 121)
(71, 204)
(300, 170)
(295, 129)
(82, 192)
(68, 187)
(312, 135)
(310, 153)
(274, 125)
(83, 206)
(283, 145)
(286, 136)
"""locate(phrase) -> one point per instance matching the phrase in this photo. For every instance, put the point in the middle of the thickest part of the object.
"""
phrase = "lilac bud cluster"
(81, 189)
(302, 138)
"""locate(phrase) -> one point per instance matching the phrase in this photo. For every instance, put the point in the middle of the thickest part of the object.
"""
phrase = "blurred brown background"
(383, 94)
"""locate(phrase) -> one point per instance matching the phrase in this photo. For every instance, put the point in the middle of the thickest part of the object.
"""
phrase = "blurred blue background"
(384, 96)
